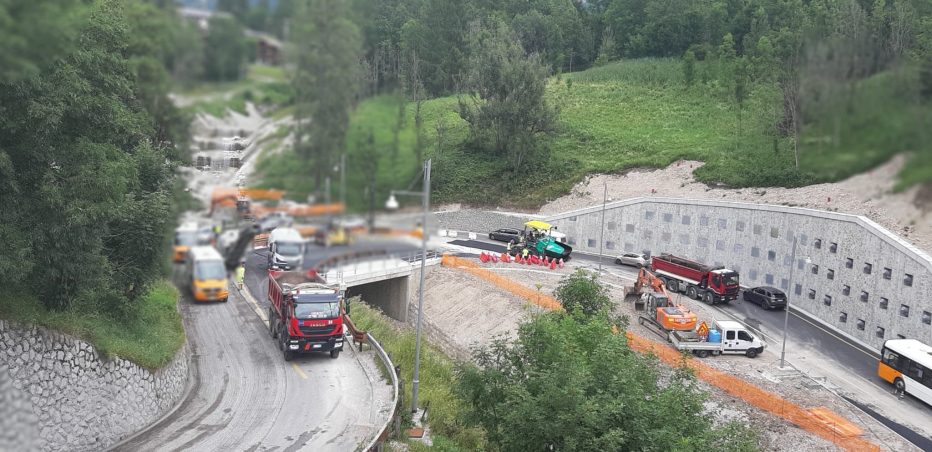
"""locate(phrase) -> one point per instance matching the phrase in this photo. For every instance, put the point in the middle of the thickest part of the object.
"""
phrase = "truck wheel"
(334, 354)
(707, 298)
(691, 292)
(672, 286)
(751, 353)
(287, 355)
(272, 331)
(702, 353)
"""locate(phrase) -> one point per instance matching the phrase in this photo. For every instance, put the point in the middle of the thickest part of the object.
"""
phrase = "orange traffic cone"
(504, 258)
(553, 264)
(483, 257)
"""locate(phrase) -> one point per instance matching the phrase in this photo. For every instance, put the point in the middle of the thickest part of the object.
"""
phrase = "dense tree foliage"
(226, 50)
(582, 292)
(84, 172)
(505, 105)
(327, 49)
(33, 34)
(568, 383)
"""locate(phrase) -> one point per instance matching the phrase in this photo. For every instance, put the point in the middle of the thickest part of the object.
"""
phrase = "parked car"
(633, 259)
(766, 297)
(505, 235)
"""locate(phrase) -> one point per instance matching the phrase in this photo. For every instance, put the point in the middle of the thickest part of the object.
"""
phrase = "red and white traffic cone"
(561, 262)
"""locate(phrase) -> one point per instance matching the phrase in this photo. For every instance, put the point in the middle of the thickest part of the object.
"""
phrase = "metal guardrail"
(347, 259)
(377, 443)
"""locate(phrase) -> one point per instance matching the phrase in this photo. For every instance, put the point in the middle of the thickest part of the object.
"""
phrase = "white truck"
(733, 338)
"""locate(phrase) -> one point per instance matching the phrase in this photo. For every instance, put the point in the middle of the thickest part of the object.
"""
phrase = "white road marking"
(255, 305)
(299, 371)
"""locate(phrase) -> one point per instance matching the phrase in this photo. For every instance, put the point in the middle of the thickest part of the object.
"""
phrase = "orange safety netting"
(502, 282)
(819, 421)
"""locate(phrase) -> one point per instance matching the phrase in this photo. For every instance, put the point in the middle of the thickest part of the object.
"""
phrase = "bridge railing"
(385, 432)
(368, 262)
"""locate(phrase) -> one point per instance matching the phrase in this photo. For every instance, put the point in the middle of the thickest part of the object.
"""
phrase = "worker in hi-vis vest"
(240, 274)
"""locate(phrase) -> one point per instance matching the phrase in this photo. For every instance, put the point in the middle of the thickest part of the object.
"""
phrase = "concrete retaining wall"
(863, 280)
(64, 395)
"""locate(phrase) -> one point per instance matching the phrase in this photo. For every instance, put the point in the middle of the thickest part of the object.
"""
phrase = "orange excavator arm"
(647, 278)
(677, 317)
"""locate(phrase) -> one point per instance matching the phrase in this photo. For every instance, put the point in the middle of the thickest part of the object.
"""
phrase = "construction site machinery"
(726, 337)
(233, 254)
(334, 234)
(657, 310)
(538, 238)
(305, 313)
(711, 284)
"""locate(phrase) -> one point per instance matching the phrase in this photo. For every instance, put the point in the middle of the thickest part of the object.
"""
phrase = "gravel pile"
(480, 220)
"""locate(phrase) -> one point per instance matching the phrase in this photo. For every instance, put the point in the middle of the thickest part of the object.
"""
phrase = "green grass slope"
(640, 113)
(150, 337)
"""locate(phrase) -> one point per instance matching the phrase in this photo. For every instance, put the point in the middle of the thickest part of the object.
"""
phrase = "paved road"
(246, 397)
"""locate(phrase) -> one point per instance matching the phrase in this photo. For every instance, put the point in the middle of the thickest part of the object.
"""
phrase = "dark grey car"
(766, 297)
(505, 235)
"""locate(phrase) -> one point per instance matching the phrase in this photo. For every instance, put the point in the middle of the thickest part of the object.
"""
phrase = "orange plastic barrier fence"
(502, 282)
(819, 421)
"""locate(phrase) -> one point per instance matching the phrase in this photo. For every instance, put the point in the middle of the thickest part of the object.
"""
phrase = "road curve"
(244, 396)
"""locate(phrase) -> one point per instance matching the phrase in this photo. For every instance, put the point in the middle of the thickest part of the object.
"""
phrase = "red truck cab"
(699, 281)
(305, 313)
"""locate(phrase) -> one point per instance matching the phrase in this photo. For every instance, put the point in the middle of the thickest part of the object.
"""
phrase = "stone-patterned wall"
(59, 393)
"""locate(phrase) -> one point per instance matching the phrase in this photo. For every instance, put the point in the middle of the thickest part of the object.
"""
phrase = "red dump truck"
(711, 284)
(305, 313)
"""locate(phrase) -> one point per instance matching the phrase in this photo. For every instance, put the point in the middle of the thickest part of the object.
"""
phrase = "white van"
(286, 249)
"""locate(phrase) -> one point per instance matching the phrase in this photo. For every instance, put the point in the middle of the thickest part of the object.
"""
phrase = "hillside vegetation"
(640, 113)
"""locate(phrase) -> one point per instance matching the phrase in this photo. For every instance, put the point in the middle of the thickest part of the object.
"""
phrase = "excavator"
(657, 310)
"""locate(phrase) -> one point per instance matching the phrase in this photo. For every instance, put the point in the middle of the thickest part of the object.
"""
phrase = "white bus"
(907, 363)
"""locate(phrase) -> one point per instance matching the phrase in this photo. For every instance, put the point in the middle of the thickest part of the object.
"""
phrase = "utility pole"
(327, 190)
(786, 313)
(343, 181)
(420, 296)
(602, 230)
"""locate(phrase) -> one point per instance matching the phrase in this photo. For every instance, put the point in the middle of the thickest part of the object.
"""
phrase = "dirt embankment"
(462, 311)
(908, 214)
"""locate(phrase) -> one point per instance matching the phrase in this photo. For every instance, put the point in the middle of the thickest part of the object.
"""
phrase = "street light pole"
(420, 296)
(786, 310)
(602, 230)
(343, 181)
